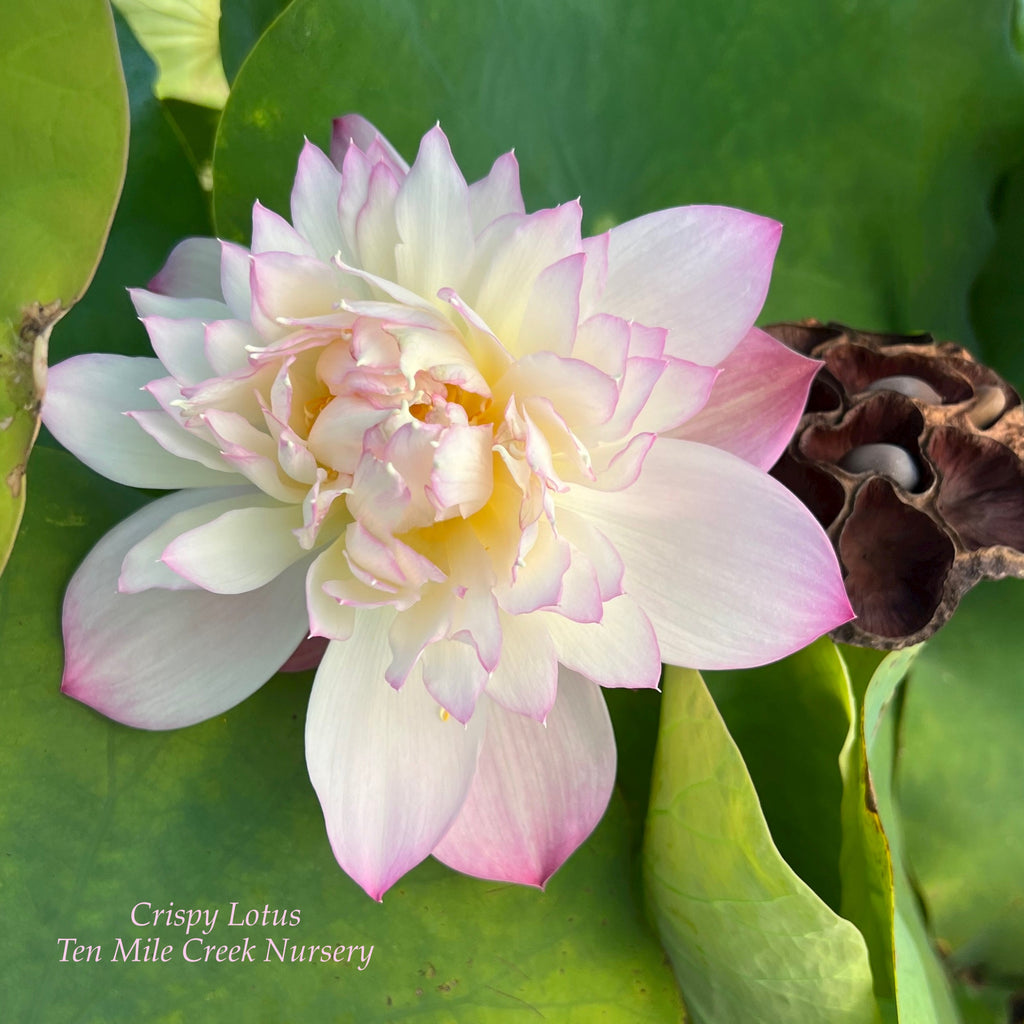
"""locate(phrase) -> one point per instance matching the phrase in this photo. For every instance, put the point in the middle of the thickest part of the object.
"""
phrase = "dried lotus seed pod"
(909, 453)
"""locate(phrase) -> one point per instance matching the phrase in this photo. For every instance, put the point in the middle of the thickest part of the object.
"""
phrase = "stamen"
(314, 407)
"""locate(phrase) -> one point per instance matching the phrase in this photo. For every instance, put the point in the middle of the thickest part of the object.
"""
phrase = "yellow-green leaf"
(182, 37)
(63, 145)
(748, 939)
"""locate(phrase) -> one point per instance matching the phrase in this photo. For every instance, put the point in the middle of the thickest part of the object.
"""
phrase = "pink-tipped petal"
(539, 790)
(148, 303)
(756, 402)
(234, 279)
(181, 346)
(525, 680)
(601, 554)
(496, 195)
(681, 392)
(537, 579)
(192, 271)
(143, 569)
(700, 271)
(391, 771)
(355, 129)
(432, 216)
(553, 309)
(86, 399)
(376, 235)
(620, 650)
(314, 202)
(226, 340)
(604, 341)
(272, 233)
(462, 474)
(328, 618)
(518, 250)
(729, 566)
(595, 275)
(579, 391)
(454, 677)
(164, 659)
(424, 623)
(289, 286)
(241, 550)
(185, 445)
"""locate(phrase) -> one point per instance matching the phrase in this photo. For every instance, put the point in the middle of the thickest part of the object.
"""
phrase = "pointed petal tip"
(374, 884)
(373, 889)
(436, 137)
(68, 684)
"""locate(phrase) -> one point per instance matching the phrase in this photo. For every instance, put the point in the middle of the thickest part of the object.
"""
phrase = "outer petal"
(497, 194)
(620, 650)
(272, 233)
(539, 789)
(525, 680)
(553, 309)
(192, 271)
(181, 346)
(314, 201)
(453, 676)
(164, 659)
(289, 286)
(327, 618)
(86, 398)
(167, 431)
(149, 303)
(391, 772)
(756, 401)
(234, 279)
(353, 128)
(514, 251)
(241, 550)
(729, 566)
(142, 568)
(700, 271)
(432, 215)
(376, 235)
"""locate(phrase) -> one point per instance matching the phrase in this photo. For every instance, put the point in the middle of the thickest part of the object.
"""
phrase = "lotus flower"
(495, 464)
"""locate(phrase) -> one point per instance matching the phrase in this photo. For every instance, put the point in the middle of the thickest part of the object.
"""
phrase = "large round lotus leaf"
(97, 818)
(960, 782)
(143, 231)
(182, 37)
(64, 132)
(875, 131)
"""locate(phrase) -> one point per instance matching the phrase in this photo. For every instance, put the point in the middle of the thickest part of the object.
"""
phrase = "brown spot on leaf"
(14, 480)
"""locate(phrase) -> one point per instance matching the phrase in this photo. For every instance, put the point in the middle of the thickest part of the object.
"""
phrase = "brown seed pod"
(910, 453)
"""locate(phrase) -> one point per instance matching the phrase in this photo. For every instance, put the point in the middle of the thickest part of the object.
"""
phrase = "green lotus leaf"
(64, 125)
(182, 37)
(745, 934)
